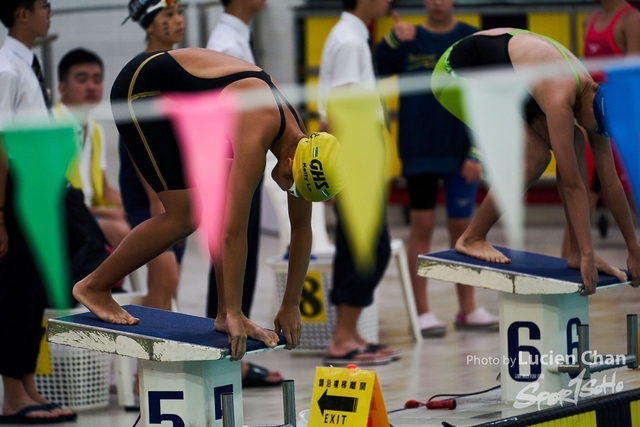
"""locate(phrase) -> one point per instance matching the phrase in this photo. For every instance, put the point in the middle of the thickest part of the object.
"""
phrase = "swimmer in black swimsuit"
(154, 149)
(152, 144)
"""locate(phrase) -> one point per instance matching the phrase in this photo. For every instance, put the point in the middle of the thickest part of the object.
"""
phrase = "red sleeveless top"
(598, 44)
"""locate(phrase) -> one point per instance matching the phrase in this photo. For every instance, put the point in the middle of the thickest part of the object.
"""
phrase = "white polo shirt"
(20, 93)
(231, 36)
(346, 59)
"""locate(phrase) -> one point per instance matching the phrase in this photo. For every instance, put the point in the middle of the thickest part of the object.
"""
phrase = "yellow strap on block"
(43, 364)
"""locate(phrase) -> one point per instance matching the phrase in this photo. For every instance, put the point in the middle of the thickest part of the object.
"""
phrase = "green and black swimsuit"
(477, 51)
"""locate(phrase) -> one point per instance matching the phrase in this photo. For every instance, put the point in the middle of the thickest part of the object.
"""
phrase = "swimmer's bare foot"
(601, 265)
(480, 249)
(219, 324)
(102, 304)
(253, 331)
(256, 332)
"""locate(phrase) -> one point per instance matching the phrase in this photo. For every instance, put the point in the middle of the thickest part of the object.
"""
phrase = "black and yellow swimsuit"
(152, 143)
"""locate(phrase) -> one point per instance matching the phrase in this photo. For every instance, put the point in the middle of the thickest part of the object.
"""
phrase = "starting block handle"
(289, 402)
(632, 339)
(228, 416)
(631, 358)
(583, 347)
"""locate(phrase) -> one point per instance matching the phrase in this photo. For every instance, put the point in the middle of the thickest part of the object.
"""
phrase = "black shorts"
(151, 143)
(460, 196)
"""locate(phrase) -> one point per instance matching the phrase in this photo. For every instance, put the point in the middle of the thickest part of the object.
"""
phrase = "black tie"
(252, 47)
(35, 66)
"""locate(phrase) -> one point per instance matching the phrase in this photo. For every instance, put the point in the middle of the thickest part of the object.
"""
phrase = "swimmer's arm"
(613, 191)
(288, 320)
(299, 249)
(247, 168)
(560, 119)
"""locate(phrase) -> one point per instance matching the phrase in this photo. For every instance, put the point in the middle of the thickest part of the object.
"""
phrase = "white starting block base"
(536, 332)
(540, 311)
(183, 366)
(188, 393)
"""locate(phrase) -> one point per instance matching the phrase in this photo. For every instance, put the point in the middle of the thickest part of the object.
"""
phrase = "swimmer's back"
(208, 64)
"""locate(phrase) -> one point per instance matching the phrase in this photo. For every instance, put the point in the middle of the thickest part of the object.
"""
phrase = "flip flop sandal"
(256, 377)
(350, 357)
(396, 355)
(52, 405)
(21, 418)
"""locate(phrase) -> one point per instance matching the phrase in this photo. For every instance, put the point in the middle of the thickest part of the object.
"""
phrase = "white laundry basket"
(318, 314)
(79, 380)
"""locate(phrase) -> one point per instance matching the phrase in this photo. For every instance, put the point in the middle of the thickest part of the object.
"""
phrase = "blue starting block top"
(161, 335)
(527, 273)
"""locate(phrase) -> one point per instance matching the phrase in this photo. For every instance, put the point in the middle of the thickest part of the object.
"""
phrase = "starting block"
(183, 368)
(544, 335)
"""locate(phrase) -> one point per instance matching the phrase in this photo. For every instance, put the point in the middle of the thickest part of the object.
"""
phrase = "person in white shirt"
(232, 36)
(346, 61)
(22, 294)
(346, 58)
(80, 77)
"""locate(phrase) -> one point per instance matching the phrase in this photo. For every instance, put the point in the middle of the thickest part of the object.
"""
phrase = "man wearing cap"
(553, 108)
(153, 147)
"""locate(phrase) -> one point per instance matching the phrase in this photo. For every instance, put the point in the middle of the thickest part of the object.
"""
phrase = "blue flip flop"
(52, 405)
(21, 416)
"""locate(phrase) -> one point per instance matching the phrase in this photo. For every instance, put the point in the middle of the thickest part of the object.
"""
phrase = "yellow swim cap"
(316, 167)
